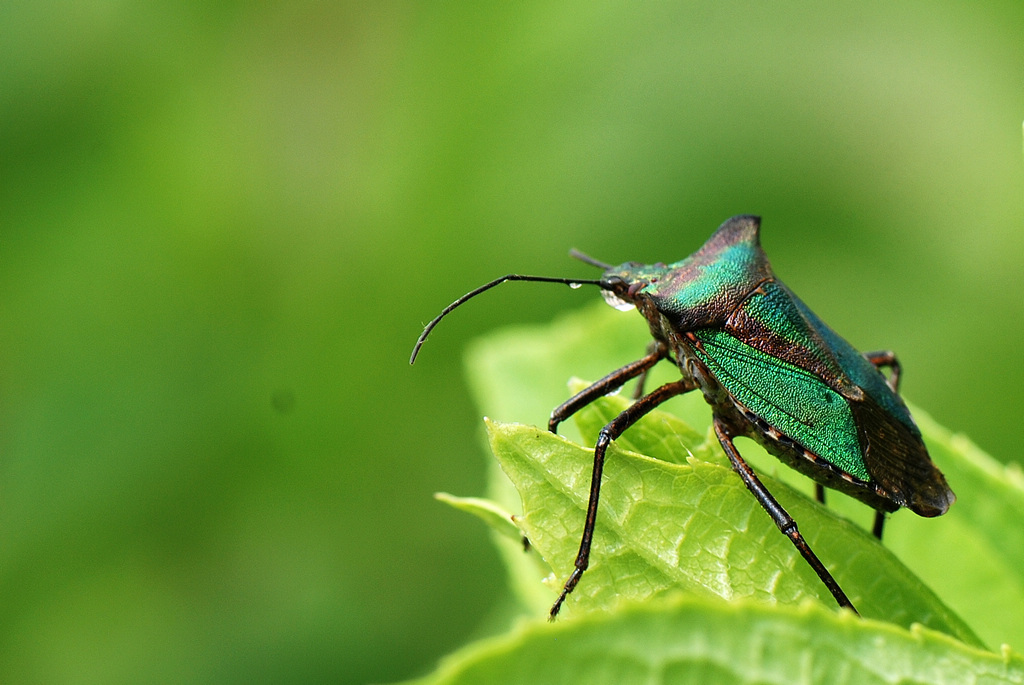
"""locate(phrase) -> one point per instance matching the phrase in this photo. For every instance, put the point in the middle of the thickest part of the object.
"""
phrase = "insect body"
(772, 371)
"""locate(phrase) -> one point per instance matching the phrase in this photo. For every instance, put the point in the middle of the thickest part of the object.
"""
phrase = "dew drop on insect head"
(616, 301)
(575, 286)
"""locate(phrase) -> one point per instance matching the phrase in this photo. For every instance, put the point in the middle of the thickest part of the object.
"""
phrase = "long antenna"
(587, 259)
(571, 282)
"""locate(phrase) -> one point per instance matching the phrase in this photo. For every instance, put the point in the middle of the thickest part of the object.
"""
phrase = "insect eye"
(614, 284)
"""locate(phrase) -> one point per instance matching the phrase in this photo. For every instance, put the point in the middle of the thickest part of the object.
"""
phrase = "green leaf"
(658, 434)
(693, 526)
(973, 557)
(675, 519)
(526, 568)
(695, 640)
(499, 520)
(520, 373)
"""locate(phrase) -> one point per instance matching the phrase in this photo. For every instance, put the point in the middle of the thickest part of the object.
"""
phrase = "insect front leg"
(613, 430)
(616, 379)
(641, 380)
(779, 515)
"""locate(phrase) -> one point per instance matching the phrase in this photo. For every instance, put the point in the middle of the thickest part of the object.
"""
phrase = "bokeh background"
(223, 224)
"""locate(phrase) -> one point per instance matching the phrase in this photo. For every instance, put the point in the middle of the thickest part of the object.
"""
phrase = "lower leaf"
(684, 639)
(664, 527)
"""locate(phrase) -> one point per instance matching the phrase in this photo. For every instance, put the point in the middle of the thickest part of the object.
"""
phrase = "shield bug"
(771, 370)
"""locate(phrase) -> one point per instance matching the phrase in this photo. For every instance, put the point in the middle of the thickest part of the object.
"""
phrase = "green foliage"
(690, 640)
(690, 580)
(695, 527)
(224, 224)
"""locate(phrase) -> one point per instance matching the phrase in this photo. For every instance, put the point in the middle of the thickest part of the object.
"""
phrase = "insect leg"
(881, 359)
(779, 515)
(616, 379)
(613, 430)
(879, 522)
(886, 358)
(641, 380)
(876, 530)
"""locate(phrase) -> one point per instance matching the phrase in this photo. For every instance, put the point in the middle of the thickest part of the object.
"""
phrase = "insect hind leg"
(886, 358)
(780, 516)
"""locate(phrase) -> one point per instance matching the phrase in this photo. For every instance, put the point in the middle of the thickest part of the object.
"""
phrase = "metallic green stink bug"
(772, 371)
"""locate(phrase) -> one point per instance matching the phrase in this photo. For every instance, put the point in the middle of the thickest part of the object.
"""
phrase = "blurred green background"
(222, 226)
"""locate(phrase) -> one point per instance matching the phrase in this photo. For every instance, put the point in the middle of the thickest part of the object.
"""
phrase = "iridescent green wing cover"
(757, 341)
(783, 363)
(856, 367)
(775, 322)
(894, 451)
(770, 319)
(793, 400)
(727, 293)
